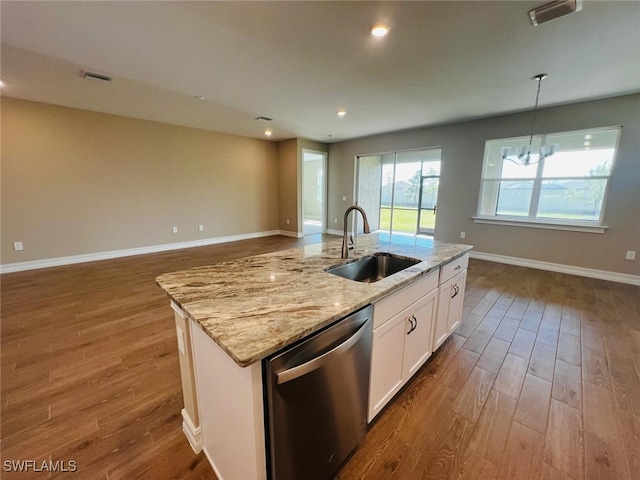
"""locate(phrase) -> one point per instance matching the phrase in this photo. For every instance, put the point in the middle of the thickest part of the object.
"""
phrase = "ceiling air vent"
(554, 10)
(266, 119)
(96, 76)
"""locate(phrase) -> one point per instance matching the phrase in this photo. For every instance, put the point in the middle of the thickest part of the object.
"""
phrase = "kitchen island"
(231, 315)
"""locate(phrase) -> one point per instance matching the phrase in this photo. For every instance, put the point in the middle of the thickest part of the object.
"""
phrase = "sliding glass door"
(399, 190)
(429, 181)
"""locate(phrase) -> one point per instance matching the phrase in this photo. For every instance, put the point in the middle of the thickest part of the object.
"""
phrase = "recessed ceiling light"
(1, 84)
(268, 133)
(380, 29)
(199, 97)
(342, 113)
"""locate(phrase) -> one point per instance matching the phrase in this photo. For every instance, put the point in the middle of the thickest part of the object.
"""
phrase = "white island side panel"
(231, 410)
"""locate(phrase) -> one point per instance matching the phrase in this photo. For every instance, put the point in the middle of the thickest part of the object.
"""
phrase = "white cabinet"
(453, 278)
(417, 341)
(231, 410)
(401, 339)
(386, 364)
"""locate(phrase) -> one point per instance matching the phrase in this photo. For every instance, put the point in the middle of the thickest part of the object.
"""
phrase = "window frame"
(532, 219)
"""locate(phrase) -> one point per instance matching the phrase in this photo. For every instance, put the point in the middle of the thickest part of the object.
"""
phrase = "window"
(566, 190)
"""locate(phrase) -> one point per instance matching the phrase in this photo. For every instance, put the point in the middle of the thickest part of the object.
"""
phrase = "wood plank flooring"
(541, 380)
(90, 369)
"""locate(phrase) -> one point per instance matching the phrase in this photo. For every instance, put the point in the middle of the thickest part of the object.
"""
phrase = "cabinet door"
(417, 340)
(450, 298)
(456, 300)
(386, 364)
(440, 329)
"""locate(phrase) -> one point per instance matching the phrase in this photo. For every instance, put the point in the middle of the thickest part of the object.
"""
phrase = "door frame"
(324, 156)
(426, 231)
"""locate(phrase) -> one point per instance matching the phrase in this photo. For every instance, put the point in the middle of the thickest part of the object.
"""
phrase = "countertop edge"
(261, 353)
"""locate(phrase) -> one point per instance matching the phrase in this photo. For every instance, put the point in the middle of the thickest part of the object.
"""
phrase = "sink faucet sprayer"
(345, 242)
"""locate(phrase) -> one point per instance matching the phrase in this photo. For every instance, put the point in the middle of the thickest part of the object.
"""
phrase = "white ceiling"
(299, 62)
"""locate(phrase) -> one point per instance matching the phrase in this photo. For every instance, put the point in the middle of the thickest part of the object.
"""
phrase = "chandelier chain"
(523, 154)
(535, 109)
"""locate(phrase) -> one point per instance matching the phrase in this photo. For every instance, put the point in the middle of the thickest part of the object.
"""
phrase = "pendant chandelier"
(522, 155)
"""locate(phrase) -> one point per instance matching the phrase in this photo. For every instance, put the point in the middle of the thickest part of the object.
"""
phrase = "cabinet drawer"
(391, 305)
(453, 268)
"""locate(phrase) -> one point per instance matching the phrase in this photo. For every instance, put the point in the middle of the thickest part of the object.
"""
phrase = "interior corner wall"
(288, 181)
(76, 182)
(462, 153)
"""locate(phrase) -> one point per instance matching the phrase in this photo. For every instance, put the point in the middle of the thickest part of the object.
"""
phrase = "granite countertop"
(254, 306)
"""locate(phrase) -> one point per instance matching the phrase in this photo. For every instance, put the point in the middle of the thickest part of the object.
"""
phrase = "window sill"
(537, 224)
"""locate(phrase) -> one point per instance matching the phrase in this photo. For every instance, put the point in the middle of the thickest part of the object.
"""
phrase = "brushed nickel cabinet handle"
(413, 326)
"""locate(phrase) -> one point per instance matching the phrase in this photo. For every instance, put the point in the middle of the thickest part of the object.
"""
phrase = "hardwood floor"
(90, 368)
(541, 380)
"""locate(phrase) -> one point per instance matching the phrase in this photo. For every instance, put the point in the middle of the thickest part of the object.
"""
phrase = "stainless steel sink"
(372, 268)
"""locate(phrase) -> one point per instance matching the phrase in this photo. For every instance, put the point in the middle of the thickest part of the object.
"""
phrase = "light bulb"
(380, 30)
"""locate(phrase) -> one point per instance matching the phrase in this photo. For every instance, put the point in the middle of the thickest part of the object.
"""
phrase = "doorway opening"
(314, 192)
(401, 190)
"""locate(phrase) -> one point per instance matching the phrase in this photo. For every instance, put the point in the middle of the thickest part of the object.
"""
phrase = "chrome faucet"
(345, 241)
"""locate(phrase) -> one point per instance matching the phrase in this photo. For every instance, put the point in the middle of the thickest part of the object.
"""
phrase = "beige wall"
(77, 182)
(288, 185)
(462, 152)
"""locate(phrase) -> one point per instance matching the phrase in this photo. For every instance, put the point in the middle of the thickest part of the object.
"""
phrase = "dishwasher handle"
(307, 367)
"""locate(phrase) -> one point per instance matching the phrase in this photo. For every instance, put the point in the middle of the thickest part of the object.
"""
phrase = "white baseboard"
(193, 433)
(334, 232)
(558, 267)
(287, 233)
(92, 257)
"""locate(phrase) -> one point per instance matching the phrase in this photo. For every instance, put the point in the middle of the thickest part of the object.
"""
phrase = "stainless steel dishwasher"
(316, 400)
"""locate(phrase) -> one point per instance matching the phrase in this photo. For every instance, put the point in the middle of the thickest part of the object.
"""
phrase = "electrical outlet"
(335, 220)
(631, 255)
(344, 198)
(288, 221)
(201, 228)
(463, 234)
(174, 229)
(17, 246)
